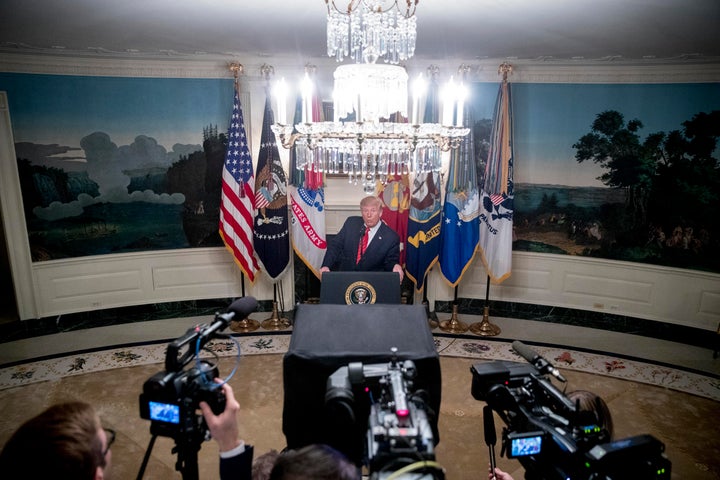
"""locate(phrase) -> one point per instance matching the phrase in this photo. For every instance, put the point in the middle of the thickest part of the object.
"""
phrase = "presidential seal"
(359, 293)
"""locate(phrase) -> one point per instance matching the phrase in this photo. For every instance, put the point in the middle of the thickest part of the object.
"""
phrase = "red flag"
(395, 195)
(238, 195)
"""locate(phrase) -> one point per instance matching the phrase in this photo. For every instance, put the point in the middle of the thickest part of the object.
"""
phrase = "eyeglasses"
(110, 435)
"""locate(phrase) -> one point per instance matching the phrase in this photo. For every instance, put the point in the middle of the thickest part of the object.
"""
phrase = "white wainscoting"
(109, 281)
(682, 297)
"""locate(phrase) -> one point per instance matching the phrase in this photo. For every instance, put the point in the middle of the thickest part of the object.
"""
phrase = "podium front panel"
(327, 337)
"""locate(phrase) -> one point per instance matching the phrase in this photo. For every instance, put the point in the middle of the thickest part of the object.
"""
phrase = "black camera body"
(398, 429)
(551, 437)
(170, 400)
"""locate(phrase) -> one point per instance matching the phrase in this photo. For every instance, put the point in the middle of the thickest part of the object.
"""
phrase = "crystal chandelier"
(370, 29)
(376, 131)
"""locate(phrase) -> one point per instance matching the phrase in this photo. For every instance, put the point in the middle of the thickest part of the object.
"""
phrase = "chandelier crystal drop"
(366, 30)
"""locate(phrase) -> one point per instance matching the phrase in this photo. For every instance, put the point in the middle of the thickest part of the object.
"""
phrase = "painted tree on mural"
(630, 163)
(672, 185)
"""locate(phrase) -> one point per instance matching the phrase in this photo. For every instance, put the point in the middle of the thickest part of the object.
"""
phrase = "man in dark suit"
(365, 243)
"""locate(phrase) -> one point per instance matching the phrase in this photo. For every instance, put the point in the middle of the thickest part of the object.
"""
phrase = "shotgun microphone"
(535, 359)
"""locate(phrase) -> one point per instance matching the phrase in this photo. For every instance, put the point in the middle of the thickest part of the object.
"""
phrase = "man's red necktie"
(363, 245)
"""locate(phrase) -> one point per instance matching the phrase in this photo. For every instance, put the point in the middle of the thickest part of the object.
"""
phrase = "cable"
(416, 466)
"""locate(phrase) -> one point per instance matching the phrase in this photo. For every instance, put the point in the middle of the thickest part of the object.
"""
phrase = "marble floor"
(686, 423)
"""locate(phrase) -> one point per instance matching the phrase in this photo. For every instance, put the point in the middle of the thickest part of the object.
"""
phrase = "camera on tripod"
(399, 434)
(550, 435)
(171, 398)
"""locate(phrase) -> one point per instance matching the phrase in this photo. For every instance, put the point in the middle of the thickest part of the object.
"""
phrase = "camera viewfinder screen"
(164, 412)
(523, 446)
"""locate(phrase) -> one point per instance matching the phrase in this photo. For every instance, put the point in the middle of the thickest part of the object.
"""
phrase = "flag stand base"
(432, 323)
(275, 322)
(245, 325)
(452, 324)
(485, 328)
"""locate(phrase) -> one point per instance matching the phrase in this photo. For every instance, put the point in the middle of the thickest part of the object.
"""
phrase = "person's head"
(371, 210)
(314, 462)
(64, 442)
(592, 403)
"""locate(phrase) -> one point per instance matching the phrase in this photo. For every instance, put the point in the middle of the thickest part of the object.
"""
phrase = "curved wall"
(674, 296)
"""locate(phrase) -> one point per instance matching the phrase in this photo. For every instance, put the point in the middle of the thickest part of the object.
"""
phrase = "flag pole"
(275, 321)
(453, 324)
(432, 323)
(485, 328)
(246, 324)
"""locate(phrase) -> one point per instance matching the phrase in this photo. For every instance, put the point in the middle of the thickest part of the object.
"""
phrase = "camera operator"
(586, 402)
(65, 442)
(313, 462)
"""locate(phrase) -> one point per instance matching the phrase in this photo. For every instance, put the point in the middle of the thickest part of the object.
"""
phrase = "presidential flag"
(271, 235)
(307, 204)
(459, 232)
(496, 217)
(423, 237)
(238, 196)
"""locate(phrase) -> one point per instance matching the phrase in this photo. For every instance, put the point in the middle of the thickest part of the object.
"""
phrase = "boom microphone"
(539, 362)
(242, 307)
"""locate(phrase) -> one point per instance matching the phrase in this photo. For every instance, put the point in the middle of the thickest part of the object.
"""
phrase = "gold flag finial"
(237, 69)
(463, 71)
(267, 71)
(504, 69)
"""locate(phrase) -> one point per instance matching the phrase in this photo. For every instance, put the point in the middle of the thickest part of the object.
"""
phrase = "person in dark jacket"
(365, 243)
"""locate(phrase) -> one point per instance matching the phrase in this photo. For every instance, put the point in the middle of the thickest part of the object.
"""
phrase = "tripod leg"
(146, 457)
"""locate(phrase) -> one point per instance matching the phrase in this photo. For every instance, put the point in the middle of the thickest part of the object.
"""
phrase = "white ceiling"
(468, 30)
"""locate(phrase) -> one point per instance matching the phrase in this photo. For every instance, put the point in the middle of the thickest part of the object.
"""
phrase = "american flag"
(236, 209)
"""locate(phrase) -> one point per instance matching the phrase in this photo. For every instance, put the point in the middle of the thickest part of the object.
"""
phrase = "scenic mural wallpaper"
(620, 171)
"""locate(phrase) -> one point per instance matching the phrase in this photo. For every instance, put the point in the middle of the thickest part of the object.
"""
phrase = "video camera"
(399, 433)
(550, 435)
(170, 399)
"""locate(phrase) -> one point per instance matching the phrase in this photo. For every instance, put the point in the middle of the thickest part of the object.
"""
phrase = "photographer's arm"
(235, 456)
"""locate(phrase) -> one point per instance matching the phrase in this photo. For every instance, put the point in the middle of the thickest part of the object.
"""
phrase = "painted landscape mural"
(625, 172)
(621, 171)
(112, 165)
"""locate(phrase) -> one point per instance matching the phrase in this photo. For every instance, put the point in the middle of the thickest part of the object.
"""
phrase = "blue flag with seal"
(270, 233)
(459, 233)
(496, 231)
(423, 241)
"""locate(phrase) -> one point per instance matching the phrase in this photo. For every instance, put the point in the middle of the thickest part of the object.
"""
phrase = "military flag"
(423, 240)
(307, 204)
(395, 195)
(496, 215)
(238, 196)
(459, 232)
(271, 234)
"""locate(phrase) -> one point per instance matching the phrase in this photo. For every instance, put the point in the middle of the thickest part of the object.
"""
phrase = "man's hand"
(397, 268)
(324, 269)
(224, 427)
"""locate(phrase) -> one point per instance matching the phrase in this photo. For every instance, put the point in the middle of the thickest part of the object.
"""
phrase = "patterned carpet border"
(563, 358)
